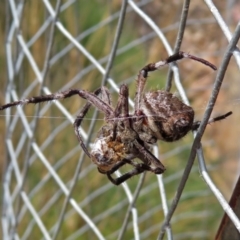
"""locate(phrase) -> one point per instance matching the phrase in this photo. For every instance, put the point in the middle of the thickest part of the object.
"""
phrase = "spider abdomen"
(167, 116)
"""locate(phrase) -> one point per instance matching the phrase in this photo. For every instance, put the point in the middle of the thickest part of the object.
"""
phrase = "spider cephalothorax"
(157, 115)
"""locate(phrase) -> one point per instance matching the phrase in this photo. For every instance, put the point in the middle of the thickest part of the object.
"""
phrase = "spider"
(157, 115)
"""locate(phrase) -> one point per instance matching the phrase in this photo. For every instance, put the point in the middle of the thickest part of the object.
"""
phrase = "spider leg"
(106, 98)
(138, 168)
(149, 159)
(115, 167)
(121, 112)
(146, 156)
(122, 107)
(90, 97)
(196, 124)
(143, 74)
(78, 122)
(125, 176)
(105, 95)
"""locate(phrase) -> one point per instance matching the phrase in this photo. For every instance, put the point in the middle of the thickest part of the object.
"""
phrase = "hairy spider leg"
(122, 114)
(105, 95)
(196, 124)
(149, 159)
(91, 97)
(78, 122)
(143, 74)
(122, 108)
(138, 168)
(146, 156)
(180, 55)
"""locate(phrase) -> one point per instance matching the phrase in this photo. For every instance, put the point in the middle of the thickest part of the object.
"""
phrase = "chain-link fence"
(51, 190)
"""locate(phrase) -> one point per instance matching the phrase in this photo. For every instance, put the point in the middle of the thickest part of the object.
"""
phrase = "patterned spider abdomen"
(167, 117)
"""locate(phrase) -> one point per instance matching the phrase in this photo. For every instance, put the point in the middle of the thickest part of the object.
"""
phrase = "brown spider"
(158, 115)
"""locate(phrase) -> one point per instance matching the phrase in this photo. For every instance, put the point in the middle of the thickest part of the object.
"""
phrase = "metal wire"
(50, 190)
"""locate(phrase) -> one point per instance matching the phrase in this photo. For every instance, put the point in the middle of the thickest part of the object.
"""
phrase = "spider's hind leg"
(126, 176)
(138, 168)
(196, 124)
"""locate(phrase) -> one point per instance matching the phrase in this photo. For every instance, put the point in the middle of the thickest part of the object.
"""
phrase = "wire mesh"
(50, 189)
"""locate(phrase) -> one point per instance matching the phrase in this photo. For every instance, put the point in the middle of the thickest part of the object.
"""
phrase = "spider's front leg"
(143, 74)
(90, 97)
